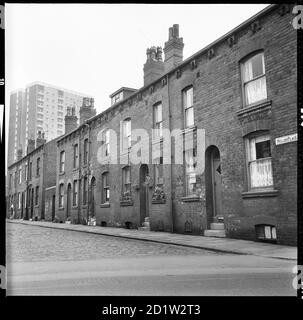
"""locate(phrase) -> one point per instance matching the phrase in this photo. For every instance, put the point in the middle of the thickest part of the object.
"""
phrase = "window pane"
(261, 173)
(254, 67)
(189, 117)
(263, 149)
(255, 90)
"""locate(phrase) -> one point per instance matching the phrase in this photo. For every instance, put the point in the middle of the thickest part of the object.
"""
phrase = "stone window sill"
(259, 194)
(190, 199)
(61, 208)
(75, 207)
(84, 206)
(126, 203)
(104, 205)
(258, 106)
(62, 173)
(158, 201)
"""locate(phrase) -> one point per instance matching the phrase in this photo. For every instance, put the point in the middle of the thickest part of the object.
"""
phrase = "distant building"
(40, 107)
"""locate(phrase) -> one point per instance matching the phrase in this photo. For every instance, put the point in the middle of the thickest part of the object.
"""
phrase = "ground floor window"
(190, 171)
(37, 196)
(259, 161)
(85, 190)
(61, 195)
(105, 188)
(126, 179)
(75, 193)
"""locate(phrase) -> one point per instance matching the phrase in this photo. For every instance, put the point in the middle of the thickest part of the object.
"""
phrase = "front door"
(69, 196)
(53, 207)
(32, 203)
(143, 193)
(92, 198)
(217, 184)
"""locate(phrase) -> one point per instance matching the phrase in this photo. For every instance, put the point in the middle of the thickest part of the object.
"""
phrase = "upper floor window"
(158, 121)
(126, 134)
(20, 175)
(126, 184)
(254, 79)
(85, 159)
(38, 167)
(105, 187)
(188, 107)
(259, 161)
(30, 170)
(105, 145)
(19, 200)
(76, 156)
(62, 161)
(26, 172)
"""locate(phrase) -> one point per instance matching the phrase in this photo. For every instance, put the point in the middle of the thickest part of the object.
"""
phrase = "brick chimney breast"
(154, 66)
(87, 110)
(173, 49)
(70, 120)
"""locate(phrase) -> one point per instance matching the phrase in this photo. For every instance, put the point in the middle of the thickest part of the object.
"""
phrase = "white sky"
(98, 48)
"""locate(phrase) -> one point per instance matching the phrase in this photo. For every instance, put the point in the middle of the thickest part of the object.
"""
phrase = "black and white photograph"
(151, 150)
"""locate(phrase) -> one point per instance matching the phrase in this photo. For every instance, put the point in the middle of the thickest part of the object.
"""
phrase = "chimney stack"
(40, 139)
(87, 110)
(30, 145)
(173, 49)
(70, 120)
(154, 66)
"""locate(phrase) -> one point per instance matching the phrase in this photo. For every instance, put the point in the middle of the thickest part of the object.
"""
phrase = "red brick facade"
(232, 128)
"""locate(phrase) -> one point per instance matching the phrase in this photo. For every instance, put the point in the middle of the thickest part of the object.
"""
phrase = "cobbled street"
(45, 261)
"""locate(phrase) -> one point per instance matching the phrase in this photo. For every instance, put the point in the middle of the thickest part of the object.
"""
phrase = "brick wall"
(218, 108)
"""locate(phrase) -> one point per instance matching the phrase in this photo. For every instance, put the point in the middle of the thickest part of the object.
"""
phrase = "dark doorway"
(32, 203)
(92, 197)
(22, 205)
(213, 182)
(53, 207)
(68, 203)
(144, 212)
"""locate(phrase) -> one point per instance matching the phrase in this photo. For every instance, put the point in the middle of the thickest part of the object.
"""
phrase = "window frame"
(124, 189)
(61, 195)
(36, 195)
(157, 125)
(188, 173)
(76, 156)
(85, 191)
(126, 137)
(75, 193)
(247, 140)
(105, 188)
(62, 161)
(186, 108)
(244, 83)
(85, 151)
(38, 167)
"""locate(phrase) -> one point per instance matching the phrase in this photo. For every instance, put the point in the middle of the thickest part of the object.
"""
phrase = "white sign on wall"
(287, 139)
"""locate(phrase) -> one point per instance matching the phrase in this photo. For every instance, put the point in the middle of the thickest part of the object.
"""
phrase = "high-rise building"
(16, 124)
(39, 108)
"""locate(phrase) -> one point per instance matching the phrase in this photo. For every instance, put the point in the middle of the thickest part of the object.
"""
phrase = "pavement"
(225, 245)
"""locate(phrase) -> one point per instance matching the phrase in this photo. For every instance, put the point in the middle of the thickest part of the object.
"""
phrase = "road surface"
(43, 261)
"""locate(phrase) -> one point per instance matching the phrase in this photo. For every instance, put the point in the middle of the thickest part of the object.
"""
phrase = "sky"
(98, 48)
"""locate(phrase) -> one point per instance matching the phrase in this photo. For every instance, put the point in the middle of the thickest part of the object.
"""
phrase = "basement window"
(266, 232)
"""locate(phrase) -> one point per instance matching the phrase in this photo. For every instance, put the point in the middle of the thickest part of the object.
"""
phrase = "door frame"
(144, 204)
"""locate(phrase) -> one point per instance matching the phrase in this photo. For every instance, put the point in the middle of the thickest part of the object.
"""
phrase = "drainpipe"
(171, 165)
(88, 171)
